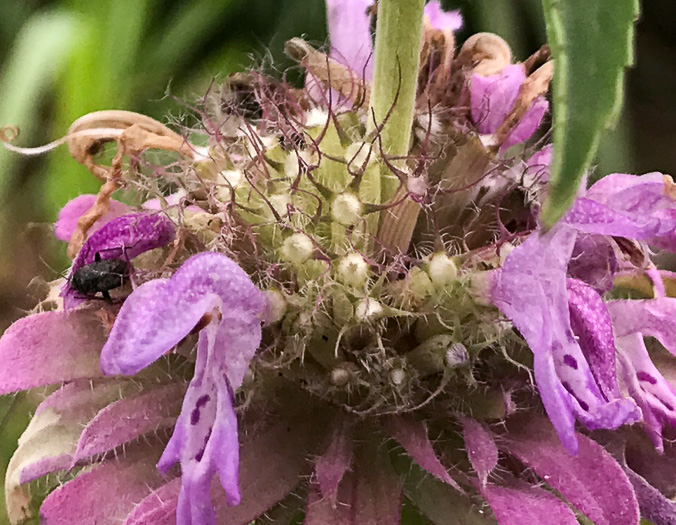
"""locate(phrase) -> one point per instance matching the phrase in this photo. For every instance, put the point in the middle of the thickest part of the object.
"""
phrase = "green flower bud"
(442, 269)
(346, 209)
(353, 270)
(277, 306)
(228, 181)
(368, 309)
(297, 249)
(358, 154)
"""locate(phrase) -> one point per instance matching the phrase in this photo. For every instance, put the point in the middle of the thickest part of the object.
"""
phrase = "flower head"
(389, 310)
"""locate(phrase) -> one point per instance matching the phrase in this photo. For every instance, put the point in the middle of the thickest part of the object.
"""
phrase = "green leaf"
(43, 44)
(592, 43)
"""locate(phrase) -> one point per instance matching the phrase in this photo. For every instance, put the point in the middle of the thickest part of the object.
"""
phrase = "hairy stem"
(397, 56)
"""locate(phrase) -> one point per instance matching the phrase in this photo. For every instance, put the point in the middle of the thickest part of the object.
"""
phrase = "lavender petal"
(48, 348)
(66, 222)
(350, 34)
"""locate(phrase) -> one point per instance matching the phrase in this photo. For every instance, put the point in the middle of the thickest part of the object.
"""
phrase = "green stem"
(395, 74)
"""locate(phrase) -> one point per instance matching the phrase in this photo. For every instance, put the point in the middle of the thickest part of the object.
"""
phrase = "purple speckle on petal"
(584, 406)
(645, 376)
(570, 361)
(195, 414)
(200, 453)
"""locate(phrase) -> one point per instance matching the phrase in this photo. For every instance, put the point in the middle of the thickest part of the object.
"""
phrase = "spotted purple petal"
(66, 222)
(442, 20)
(154, 318)
(123, 238)
(273, 457)
(590, 216)
(350, 34)
(645, 384)
(160, 313)
(591, 324)
(641, 208)
(653, 317)
(656, 397)
(531, 290)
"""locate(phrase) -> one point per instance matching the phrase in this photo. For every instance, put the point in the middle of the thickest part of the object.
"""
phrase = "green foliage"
(37, 57)
(592, 43)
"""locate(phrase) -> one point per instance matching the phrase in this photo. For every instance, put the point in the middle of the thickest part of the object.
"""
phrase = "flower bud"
(442, 269)
(397, 376)
(228, 181)
(276, 307)
(316, 117)
(280, 203)
(346, 209)
(456, 356)
(353, 270)
(297, 248)
(368, 309)
(357, 155)
(344, 374)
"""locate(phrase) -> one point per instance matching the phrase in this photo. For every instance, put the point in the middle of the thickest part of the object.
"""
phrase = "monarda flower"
(296, 323)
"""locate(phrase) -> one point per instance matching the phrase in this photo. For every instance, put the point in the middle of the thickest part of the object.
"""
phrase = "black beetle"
(100, 276)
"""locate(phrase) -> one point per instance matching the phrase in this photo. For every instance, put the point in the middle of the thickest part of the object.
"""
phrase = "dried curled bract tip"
(134, 131)
(485, 53)
(331, 73)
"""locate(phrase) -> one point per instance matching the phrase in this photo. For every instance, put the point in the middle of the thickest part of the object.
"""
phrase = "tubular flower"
(291, 347)
(531, 290)
(492, 99)
(121, 239)
(156, 317)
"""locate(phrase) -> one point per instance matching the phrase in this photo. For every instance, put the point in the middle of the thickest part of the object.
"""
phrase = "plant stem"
(395, 74)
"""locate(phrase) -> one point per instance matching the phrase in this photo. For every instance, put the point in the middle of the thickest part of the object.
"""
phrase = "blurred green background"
(62, 59)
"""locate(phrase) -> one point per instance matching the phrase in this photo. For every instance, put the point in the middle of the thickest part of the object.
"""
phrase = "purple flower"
(123, 238)
(492, 97)
(350, 34)
(442, 20)
(565, 323)
(632, 320)
(531, 290)
(156, 317)
(66, 222)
